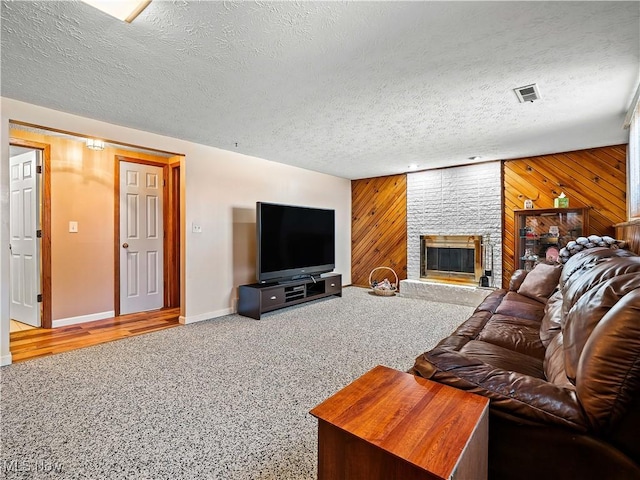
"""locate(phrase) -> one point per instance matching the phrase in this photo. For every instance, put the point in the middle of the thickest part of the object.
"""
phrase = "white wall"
(221, 189)
(455, 201)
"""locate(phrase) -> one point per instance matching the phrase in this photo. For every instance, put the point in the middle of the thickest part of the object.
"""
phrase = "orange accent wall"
(82, 190)
(378, 227)
(594, 178)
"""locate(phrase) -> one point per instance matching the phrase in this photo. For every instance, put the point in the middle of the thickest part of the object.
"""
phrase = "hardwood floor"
(40, 342)
(18, 326)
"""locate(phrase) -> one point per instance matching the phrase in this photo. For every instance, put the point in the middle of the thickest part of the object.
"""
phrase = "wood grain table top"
(420, 421)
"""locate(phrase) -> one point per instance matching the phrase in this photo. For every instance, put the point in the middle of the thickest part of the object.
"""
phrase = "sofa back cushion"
(585, 270)
(541, 282)
(587, 258)
(516, 279)
(608, 373)
(552, 320)
(554, 370)
(588, 311)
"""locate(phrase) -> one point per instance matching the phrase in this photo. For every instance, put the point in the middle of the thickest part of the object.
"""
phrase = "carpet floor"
(222, 399)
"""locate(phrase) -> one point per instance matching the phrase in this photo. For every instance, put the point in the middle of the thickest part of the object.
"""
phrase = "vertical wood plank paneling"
(593, 178)
(378, 226)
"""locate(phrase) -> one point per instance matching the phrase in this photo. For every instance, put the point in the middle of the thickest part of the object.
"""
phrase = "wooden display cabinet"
(545, 231)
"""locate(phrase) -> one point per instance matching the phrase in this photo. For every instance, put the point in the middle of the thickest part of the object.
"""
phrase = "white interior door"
(25, 264)
(141, 238)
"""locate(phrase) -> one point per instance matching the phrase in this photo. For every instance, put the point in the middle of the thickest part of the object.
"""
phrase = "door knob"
(125, 245)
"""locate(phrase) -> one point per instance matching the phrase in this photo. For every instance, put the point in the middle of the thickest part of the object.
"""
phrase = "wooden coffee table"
(390, 425)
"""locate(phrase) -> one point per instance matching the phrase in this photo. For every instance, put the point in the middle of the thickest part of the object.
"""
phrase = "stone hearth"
(443, 292)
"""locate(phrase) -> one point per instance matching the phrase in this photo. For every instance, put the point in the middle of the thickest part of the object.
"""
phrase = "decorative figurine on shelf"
(552, 255)
(528, 203)
(530, 259)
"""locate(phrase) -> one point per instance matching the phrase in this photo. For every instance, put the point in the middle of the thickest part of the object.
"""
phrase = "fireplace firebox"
(451, 258)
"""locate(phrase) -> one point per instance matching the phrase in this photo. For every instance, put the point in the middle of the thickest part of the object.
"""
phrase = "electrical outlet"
(195, 228)
(73, 227)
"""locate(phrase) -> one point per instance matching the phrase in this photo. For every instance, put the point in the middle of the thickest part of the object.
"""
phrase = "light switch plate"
(73, 227)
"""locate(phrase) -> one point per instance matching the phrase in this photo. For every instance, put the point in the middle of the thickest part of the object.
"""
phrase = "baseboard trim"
(63, 322)
(6, 360)
(205, 316)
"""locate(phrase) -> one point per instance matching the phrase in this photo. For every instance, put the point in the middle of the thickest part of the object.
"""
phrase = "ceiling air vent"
(528, 93)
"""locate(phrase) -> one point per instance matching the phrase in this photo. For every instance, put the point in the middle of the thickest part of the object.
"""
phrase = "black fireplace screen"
(451, 259)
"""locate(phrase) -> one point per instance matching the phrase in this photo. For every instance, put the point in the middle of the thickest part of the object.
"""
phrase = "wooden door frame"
(45, 225)
(168, 226)
(173, 267)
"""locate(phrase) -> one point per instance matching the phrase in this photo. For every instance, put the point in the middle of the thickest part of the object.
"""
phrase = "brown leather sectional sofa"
(563, 374)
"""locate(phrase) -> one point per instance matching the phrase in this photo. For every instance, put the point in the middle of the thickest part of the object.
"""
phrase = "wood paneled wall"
(630, 233)
(594, 178)
(378, 227)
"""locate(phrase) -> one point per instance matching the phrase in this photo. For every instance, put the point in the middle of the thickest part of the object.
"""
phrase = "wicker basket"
(383, 292)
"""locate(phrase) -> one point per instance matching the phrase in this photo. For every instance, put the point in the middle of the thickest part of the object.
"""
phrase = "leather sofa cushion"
(492, 301)
(608, 379)
(517, 334)
(472, 327)
(503, 358)
(520, 395)
(554, 363)
(585, 315)
(599, 271)
(516, 279)
(552, 320)
(608, 376)
(516, 305)
(541, 282)
(586, 258)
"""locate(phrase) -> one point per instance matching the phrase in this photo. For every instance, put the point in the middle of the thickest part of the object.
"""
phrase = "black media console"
(258, 298)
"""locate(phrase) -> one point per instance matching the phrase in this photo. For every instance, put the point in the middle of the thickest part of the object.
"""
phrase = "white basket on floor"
(384, 292)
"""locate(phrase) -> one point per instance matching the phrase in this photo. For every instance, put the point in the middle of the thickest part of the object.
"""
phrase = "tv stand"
(258, 298)
(298, 277)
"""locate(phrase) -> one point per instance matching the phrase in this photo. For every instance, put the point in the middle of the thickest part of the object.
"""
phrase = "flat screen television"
(294, 241)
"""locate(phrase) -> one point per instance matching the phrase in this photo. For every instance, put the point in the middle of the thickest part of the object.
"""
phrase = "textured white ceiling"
(354, 89)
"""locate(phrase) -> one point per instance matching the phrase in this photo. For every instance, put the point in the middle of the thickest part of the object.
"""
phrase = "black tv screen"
(294, 241)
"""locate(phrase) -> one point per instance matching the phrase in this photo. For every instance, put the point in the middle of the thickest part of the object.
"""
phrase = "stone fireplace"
(451, 258)
(455, 204)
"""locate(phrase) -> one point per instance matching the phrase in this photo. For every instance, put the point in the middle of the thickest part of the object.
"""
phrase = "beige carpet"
(222, 399)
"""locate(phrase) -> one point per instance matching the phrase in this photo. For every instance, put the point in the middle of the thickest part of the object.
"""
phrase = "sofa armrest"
(516, 280)
(519, 395)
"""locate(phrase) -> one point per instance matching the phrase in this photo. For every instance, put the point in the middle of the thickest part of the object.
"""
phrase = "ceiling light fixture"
(95, 144)
(125, 10)
(475, 158)
(413, 166)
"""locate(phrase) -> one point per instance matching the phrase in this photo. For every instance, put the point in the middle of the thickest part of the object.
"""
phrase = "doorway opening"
(77, 172)
(30, 235)
(146, 225)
